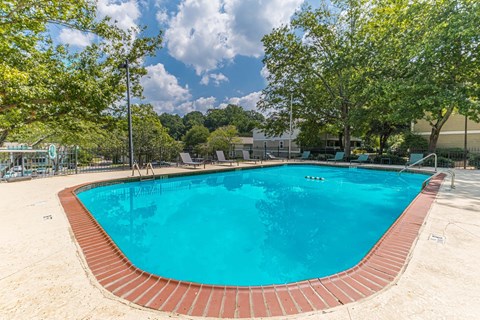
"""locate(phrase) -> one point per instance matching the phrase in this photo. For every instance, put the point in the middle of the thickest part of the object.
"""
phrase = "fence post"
(76, 159)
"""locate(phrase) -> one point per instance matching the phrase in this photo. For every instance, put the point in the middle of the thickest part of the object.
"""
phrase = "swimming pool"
(252, 227)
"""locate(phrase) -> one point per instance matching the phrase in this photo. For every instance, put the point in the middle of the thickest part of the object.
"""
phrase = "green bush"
(322, 157)
(474, 160)
(394, 159)
(411, 141)
(441, 162)
(455, 154)
(359, 151)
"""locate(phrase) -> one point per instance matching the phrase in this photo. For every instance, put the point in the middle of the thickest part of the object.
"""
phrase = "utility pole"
(129, 115)
(290, 135)
(465, 145)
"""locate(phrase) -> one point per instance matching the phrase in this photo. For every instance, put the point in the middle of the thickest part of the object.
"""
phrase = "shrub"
(441, 162)
(451, 153)
(474, 160)
(322, 157)
(411, 142)
(393, 159)
(359, 151)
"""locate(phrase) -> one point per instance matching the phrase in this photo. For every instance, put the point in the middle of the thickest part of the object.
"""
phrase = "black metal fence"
(446, 158)
(72, 160)
(17, 164)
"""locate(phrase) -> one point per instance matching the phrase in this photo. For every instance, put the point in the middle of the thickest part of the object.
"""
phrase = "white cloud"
(252, 19)
(217, 78)
(198, 35)
(209, 33)
(248, 102)
(162, 89)
(124, 13)
(201, 104)
(265, 73)
(75, 37)
(162, 17)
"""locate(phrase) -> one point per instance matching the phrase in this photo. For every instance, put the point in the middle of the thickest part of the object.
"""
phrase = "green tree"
(151, 140)
(223, 138)
(215, 118)
(245, 121)
(192, 119)
(317, 64)
(429, 56)
(174, 125)
(42, 82)
(196, 135)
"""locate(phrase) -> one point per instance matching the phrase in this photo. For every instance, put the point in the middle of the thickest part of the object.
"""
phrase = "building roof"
(245, 140)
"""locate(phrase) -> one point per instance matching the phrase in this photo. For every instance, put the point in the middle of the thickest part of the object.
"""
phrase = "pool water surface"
(252, 227)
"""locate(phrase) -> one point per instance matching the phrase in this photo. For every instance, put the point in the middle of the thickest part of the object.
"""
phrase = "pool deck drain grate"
(377, 270)
(437, 238)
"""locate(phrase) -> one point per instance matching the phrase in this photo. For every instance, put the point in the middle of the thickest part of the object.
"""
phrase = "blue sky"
(212, 50)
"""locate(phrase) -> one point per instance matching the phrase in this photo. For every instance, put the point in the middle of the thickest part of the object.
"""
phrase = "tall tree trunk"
(347, 141)
(436, 128)
(383, 142)
(3, 136)
(346, 129)
(434, 135)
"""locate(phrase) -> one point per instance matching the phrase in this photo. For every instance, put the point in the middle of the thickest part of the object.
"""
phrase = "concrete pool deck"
(43, 274)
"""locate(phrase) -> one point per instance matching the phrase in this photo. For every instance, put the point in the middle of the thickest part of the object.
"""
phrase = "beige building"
(243, 143)
(276, 145)
(452, 134)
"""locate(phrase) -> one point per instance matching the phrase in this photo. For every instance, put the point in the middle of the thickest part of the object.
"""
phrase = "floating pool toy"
(314, 178)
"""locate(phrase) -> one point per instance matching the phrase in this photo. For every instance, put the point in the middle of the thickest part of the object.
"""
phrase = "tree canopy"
(372, 67)
(317, 67)
(244, 121)
(45, 82)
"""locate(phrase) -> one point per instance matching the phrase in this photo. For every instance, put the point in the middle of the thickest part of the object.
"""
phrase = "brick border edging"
(378, 269)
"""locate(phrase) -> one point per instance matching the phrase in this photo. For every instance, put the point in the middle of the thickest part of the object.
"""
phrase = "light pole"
(129, 115)
(465, 144)
(290, 135)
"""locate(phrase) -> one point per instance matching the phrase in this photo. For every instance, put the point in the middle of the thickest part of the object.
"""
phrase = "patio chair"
(414, 157)
(272, 157)
(361, 159)
(305, 155)
(338, 156)
(246, 157)
(186, 159)
(221, 158)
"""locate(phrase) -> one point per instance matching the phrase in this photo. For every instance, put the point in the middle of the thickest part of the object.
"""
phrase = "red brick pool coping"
(378, 269)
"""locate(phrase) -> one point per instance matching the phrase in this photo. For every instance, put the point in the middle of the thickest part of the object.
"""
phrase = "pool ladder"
(452, 181)
(424, 183)
(149, 167)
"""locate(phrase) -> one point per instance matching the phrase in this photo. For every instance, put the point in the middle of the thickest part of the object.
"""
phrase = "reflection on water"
(252, 227)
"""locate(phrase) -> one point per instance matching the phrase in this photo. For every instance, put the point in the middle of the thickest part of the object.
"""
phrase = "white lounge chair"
(186, 159)
(221, 158)
(338, 156)
(246, 157)
(272, 157)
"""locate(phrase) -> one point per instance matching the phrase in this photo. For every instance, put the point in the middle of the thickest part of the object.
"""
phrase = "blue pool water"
(252, 227)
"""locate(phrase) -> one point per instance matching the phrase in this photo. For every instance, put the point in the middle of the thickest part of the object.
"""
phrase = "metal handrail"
(135, 166)
(150, 167)
(420, 161)
(452, 181)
